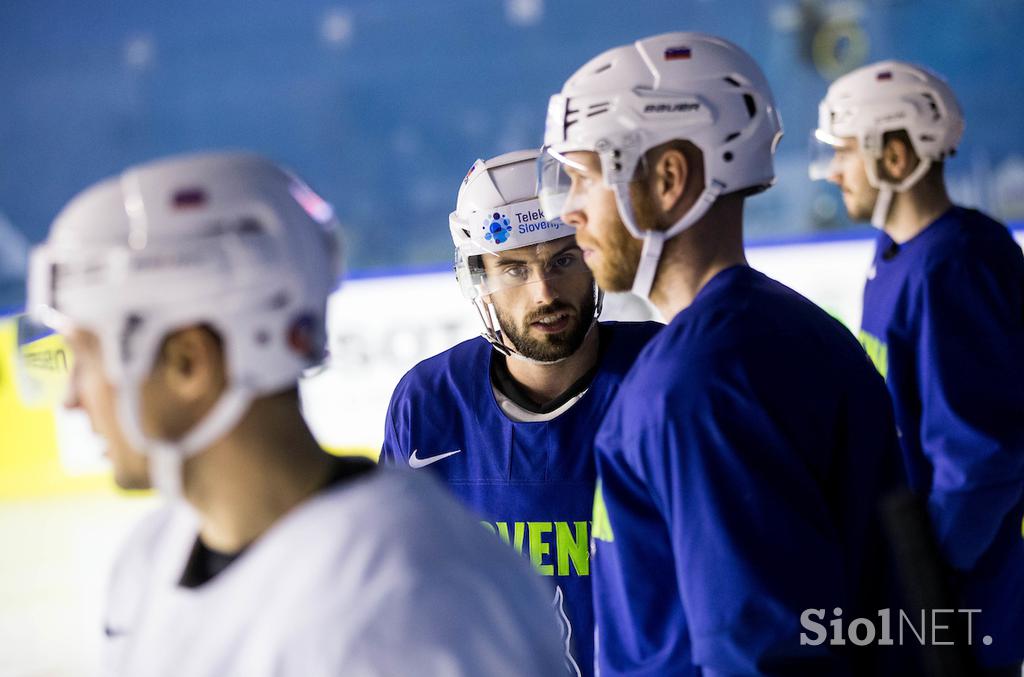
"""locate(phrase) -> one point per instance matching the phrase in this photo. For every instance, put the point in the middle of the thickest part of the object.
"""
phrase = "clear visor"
(42, 363)
(822, 154)
(555, 189)
(490, 273)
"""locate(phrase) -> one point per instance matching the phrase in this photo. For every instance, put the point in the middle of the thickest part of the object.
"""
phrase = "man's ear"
(676, 179)
(191, 364)
(668, 178)
(898, 159)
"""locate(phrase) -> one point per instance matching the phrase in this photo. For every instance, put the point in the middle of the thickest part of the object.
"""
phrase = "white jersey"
(380, 575)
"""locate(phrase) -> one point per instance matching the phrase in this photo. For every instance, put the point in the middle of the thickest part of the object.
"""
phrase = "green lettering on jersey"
(571, 543)
(539, 548)
(518, 532)
(602, 529)
(877, 350)
(570, 547)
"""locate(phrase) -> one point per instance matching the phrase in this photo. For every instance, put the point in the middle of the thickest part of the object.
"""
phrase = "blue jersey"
(532, 483)
(944, 323)
(741, 465)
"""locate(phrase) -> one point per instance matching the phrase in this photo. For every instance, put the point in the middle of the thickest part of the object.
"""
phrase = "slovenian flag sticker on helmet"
(189, 197)
(674, 53)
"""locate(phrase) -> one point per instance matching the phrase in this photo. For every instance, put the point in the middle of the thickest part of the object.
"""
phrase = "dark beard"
(552, 346)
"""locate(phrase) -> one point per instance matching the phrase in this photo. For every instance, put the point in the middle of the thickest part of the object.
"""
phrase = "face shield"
(822, 148)
(555, 182)
(59, 281)
(488, 273)
(42, 364)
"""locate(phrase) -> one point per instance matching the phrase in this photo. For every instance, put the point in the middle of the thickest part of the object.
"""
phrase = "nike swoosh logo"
(417, 462)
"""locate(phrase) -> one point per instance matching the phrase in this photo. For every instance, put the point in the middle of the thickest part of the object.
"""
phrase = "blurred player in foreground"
(507, 420)
(192, 292)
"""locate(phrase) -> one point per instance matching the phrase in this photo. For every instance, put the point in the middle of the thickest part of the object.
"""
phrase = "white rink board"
(379, 328)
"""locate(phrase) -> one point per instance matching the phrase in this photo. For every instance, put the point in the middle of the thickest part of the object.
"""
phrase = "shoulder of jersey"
(977, 239)
(419, 505)
(634, 332)
(728, 320)
(160, 533)
(460, 358)
(147, 535)
(627, 341)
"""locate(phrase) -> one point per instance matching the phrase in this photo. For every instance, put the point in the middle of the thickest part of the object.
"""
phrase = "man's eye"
(517, 272)
(565, 261)
(580, 181)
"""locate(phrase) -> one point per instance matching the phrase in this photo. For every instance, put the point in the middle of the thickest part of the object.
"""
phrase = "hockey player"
(192, 291)
(507, 420)
(743, 457)
(944, 322)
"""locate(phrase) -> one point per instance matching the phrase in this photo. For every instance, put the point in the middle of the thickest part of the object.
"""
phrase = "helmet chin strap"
(654, 240)
(882, 205)
(647, 268)
(888, 189)
(166, 457)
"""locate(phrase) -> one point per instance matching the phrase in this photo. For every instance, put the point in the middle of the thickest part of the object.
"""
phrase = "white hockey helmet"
(227, 240)
(884, 97)
(497, 211)
(630, 99)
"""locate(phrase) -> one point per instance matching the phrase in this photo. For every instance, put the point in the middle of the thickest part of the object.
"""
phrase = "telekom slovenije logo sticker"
(497, 228)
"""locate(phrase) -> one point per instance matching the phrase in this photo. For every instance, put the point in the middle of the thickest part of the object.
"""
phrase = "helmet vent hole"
(731, 137)
(189, 197)
(603, 67)
(732, 81)
(131, 325)
(250, 226)
(279, 300)
(751, 107)
(931, 104)
(727, 156)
